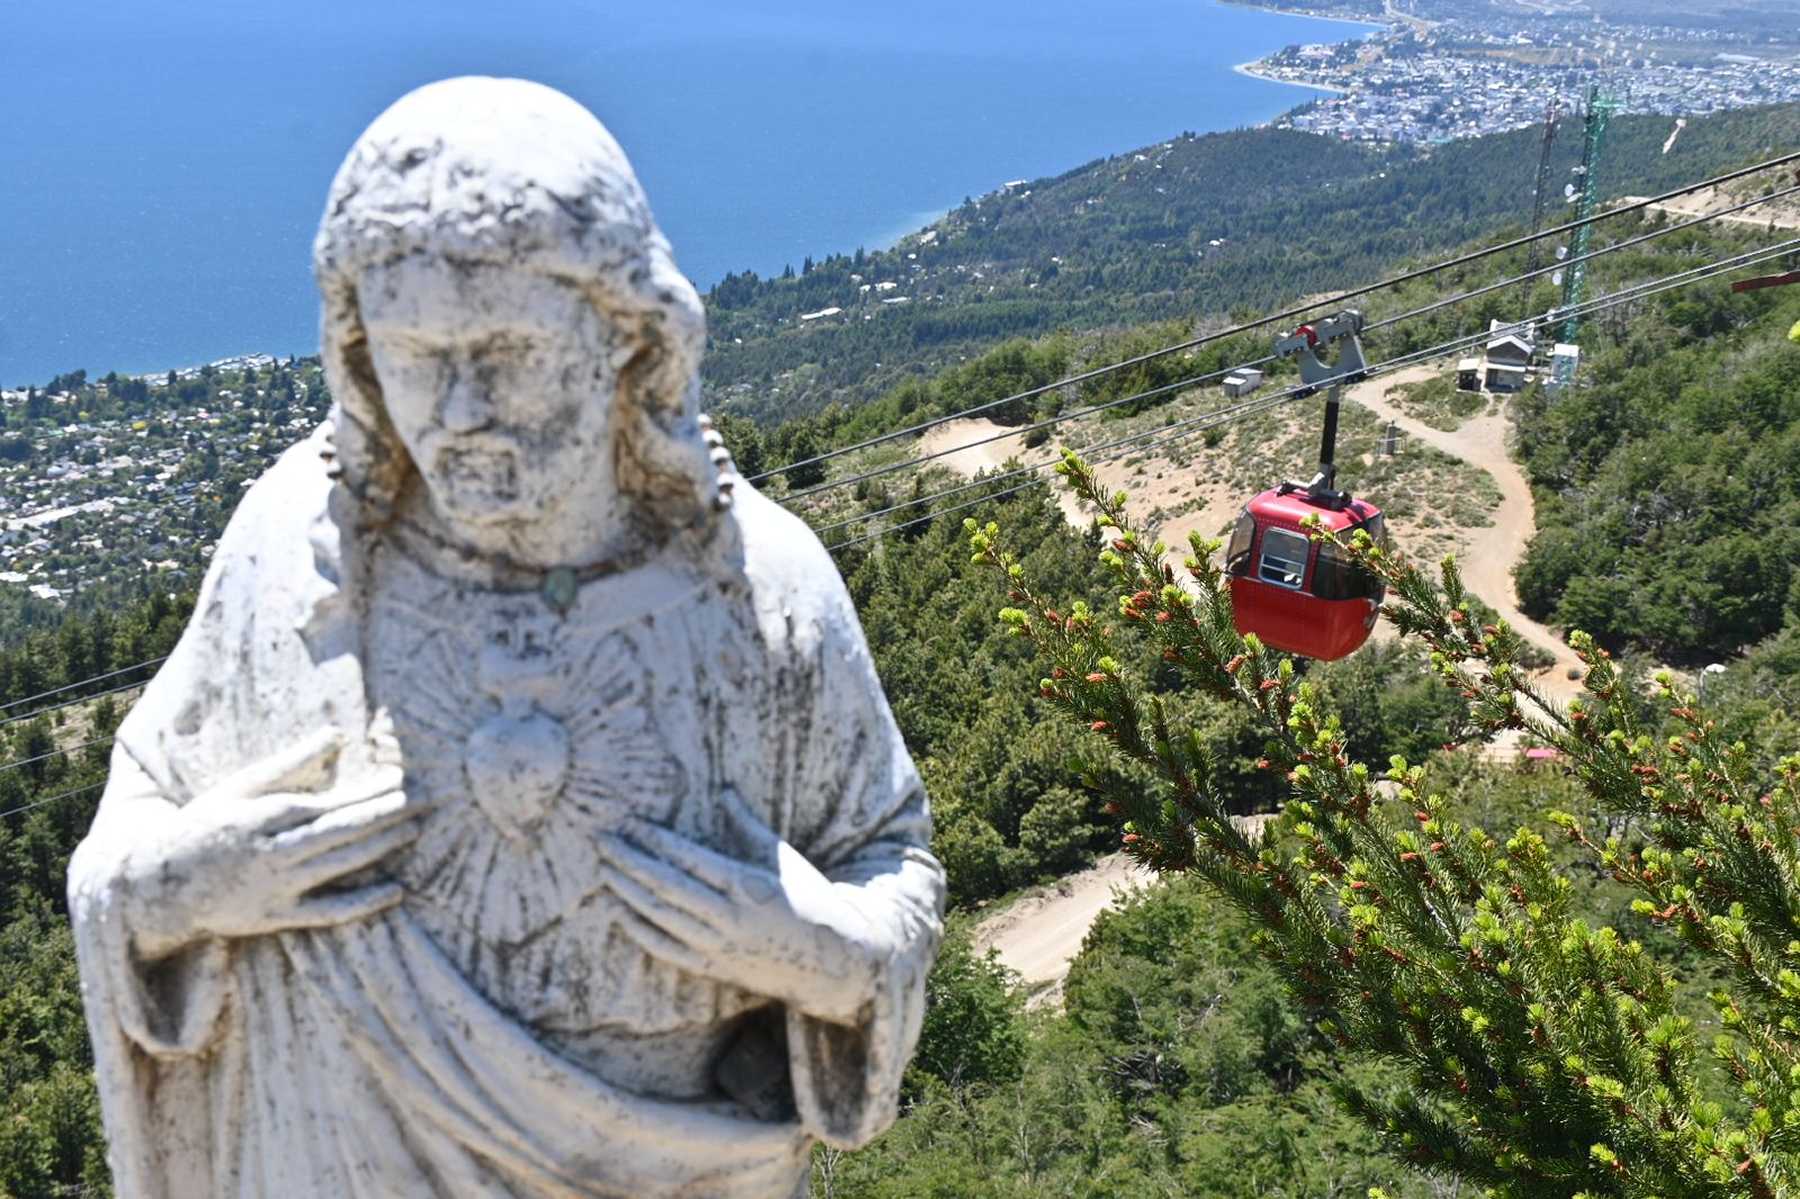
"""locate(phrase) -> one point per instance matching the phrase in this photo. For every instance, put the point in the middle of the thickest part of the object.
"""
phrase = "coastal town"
(129, 476)
(1423, 81)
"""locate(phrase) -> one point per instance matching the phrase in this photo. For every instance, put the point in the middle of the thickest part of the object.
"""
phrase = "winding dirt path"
(1493, 551)
(1487, 560)
(1039, 935)
(1773, 214)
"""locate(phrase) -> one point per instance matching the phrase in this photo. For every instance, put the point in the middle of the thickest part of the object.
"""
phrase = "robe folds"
(495, 1034)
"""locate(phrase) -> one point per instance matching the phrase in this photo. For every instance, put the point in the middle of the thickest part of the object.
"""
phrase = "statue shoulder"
(265, 583)
(272, 544)
(294, 490)
(784, 560)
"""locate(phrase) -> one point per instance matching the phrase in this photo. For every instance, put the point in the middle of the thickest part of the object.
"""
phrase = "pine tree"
(1546, 1054)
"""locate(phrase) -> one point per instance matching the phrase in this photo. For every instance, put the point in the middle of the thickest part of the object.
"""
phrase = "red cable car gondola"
(1296, 594)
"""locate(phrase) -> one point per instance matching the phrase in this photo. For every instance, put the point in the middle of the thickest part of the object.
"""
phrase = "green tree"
(1546, 1055)
(974, 1028)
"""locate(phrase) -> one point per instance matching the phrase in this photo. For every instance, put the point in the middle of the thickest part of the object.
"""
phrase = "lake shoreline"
(1249, 69)
(1374, 25)
(781, 179)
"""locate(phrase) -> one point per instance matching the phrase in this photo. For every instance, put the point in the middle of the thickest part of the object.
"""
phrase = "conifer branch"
(1547, 1056)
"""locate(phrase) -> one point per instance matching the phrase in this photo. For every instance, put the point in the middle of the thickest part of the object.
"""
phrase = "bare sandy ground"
(1160, 486)
(1487, 554)
(1039, 935)
(1779, 214)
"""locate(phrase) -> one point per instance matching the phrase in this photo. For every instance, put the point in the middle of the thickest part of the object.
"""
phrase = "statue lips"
(478, 471)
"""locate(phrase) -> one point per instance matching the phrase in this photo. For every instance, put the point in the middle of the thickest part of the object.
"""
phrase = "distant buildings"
(1465, 79)
(1564, 360)
(1468, 374)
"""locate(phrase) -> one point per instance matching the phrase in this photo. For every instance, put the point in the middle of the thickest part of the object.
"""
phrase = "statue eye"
(503, 637)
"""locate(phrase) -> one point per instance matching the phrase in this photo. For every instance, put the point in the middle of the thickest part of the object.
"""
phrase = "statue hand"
(788, 932)
(253, 854)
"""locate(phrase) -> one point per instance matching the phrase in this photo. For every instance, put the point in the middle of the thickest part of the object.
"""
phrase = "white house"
(1243, 381)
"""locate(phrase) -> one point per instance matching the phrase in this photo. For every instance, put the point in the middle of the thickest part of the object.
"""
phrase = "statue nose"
(467, 405)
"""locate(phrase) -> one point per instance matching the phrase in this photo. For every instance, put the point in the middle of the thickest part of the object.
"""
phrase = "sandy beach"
(1249, 68)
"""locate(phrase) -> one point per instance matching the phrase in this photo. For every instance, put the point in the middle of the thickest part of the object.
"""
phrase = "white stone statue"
(520, 814)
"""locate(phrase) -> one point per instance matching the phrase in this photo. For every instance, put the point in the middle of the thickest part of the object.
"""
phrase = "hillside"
(1194, 228)
(1666, 489)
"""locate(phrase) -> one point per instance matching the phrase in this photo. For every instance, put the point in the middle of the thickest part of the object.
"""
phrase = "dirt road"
(1487, 560)
(1039, 936)
(1774, 214)
(1206, 505)
(1493, 551)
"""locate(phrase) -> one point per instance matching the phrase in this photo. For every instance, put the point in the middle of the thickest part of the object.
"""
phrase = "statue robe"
(495, 1034)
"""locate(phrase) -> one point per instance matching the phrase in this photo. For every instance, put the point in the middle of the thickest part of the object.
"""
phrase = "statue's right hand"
(257, 854)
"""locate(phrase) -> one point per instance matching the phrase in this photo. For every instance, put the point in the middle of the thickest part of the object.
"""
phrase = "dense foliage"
(1178, 1066)
(1191, 229)
(1669, 487)
(50, 1136)
(1546, 1054)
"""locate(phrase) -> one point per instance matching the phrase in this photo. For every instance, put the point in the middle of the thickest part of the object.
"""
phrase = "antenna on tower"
(1541, 197)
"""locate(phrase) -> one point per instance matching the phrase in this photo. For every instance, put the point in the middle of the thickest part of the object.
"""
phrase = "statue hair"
(513, 173)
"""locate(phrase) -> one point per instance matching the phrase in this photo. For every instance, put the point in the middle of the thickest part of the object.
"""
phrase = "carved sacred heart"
(516, 766)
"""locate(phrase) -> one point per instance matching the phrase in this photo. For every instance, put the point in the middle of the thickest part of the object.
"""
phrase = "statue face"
(500, 383)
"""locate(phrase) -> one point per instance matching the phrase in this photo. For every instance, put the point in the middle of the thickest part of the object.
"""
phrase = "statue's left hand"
(789, 932)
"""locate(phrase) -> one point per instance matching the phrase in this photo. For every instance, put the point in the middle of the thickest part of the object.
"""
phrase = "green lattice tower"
(1600, 108)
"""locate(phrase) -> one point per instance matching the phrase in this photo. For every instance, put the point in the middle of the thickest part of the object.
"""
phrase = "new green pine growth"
(1546, 1055)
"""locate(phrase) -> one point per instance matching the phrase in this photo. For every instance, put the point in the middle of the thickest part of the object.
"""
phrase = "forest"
(1180, 1061)
(1195, 228)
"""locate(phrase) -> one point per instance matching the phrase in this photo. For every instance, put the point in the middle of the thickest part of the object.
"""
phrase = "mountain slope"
(1131, 238)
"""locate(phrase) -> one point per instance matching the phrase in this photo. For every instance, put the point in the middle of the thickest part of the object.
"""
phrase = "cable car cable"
(1235, 411)
(1164, 436)
(81, 683)
(67, 703)
(1198, 380)
(1286, 314)
(69, 749)
(1463, 341)
(1169, 434)
(38, 803)
(1486, 289)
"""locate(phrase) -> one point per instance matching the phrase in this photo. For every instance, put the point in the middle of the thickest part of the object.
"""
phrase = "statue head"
(503, 323)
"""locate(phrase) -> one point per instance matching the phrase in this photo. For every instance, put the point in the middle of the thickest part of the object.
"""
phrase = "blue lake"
(162, 166)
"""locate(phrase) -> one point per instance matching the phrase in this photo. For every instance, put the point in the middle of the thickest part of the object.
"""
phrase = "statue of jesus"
(520, 814)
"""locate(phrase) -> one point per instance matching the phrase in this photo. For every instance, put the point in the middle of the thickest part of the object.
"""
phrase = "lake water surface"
(162, 166)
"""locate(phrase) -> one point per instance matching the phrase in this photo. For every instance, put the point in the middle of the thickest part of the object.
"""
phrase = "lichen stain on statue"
(521, 814)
